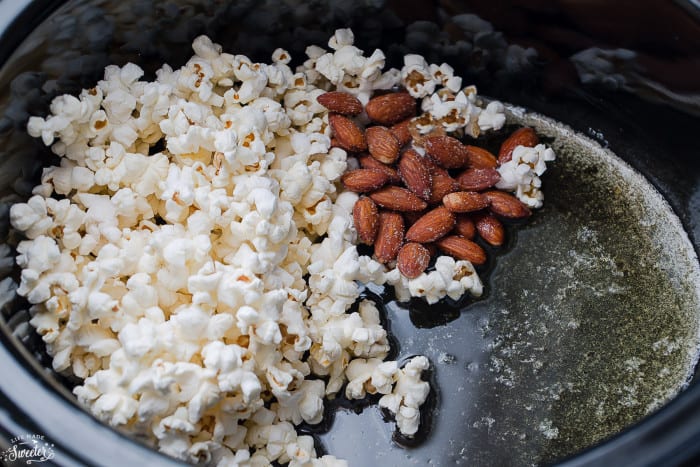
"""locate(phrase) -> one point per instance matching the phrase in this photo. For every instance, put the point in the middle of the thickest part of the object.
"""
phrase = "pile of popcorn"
(202, 291)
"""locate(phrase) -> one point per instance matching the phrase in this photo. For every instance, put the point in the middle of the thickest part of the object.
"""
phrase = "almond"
(398, 199)
(369, 162)
(465, 201)
(391, 108)
(461, 248)
(443, 183)
(415, 173)
(465, 227)
(478, 179)
(389, 236)
(340, 102)
(507, 206)
(382, 145)
(480, 158)
(366, 219)
(348, 135)
(525, 136)
(447, 151)
(433, 225)
(402, 132)
(413, 259)
(364, 180)
(490, 229)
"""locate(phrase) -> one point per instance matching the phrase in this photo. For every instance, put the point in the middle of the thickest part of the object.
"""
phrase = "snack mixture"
(193, 258)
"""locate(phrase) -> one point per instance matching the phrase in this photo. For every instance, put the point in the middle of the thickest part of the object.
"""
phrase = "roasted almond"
(415, 173)
(432, 226)
(490, 229)
(402, 132)
(369, 162)
(465, 201)
(364, 180)
(391, 108)
(478, 179)
(465, 227)
(461, 248)
(389, 236)
(525, 136)
(365, 215)
(507, 206)
(382, 145)
(398, 199)
(443, 183)
(480, 158)
(447, 151)
(413, 259)
(340, 102)
(348, 135)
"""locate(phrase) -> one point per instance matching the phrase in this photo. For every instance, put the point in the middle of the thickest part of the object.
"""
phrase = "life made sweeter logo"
(28, 449)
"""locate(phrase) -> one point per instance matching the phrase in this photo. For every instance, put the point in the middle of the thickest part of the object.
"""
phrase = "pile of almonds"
(417, 204)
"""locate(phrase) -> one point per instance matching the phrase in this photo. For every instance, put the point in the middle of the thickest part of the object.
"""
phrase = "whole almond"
(465, 227)
(443, 183)
(490, 229)
(465, 201)
(480, 158)
(382, 145)
(413, 259)
(432, 226)
(461, 248)
(525, 136)
(398, 199)
(478, 179)
(340, 102)
(364, 180)
(402, 132)
(365, 215)
(348, 135)
(369, 162)
(389, 236)
(507, 206)
(415, 173)
(447, 151)
(391, 108)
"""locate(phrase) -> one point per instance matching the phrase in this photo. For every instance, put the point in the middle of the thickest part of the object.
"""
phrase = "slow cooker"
(623, 75)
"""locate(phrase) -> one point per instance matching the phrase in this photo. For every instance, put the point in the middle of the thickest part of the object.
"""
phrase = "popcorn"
(408, 395)
(522, 173)
(417, 77)
(458, 112)
(450, 278)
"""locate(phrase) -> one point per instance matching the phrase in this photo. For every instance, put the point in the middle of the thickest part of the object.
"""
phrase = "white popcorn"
(492, 117)
(522, 173)
(450, 278)
(417, 77)
(408, 395)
